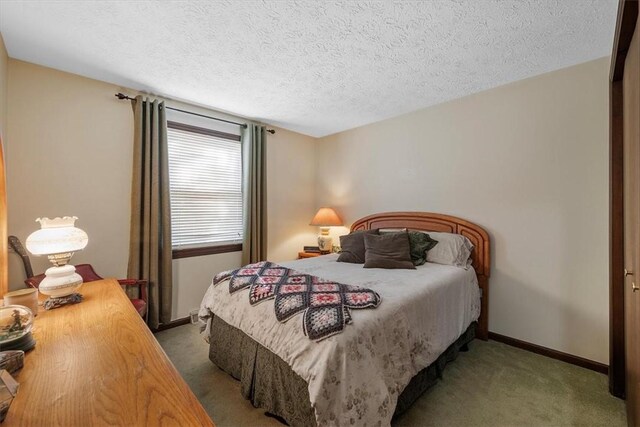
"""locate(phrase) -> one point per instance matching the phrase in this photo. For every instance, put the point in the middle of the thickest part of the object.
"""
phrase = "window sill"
(206, 250)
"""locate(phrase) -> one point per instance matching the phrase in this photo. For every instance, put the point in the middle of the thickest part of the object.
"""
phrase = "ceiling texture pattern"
(311, 66)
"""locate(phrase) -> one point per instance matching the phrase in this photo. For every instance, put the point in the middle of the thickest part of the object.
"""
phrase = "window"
(205, 172)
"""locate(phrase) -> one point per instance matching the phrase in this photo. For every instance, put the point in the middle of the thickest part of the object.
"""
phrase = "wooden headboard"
(426, 221)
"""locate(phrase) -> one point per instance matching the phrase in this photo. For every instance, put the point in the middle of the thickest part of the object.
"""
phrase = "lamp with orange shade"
(325, 218)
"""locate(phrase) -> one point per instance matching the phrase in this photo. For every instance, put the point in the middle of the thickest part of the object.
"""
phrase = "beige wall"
(528, 161)
(71, 155)
(192, 277)
(291, 201)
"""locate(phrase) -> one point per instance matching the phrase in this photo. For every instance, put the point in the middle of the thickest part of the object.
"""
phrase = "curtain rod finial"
(122, 96)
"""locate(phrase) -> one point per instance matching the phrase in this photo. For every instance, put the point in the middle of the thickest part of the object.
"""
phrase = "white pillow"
(452, 249)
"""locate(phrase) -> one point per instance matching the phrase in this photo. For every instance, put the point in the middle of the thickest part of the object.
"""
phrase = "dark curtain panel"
(150, 233)
(254, 174)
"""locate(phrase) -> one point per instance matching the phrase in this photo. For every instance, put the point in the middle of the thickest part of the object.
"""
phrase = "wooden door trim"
(616, 245)
(625, 27)
(4, 265)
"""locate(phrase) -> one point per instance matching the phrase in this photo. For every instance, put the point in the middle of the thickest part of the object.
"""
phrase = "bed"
(377, 367)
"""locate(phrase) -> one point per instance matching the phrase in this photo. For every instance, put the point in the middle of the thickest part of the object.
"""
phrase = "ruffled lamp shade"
(57, 236)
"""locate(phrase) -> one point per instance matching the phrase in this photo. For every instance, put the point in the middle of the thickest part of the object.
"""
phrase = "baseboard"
(534, 348)
(554, 354)
(172, 324)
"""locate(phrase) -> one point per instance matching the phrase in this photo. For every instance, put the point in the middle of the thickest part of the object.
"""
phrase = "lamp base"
(60, 281)
(325, 243)
(51, 302)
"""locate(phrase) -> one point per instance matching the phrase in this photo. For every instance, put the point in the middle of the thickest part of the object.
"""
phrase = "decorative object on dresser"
(58, 238)
(8, 390)
(11, 360)
(27, 297)
(325, 218)
(51, 303)
(16, 322)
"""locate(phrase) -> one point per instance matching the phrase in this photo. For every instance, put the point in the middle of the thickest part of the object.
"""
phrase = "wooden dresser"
(97, 363)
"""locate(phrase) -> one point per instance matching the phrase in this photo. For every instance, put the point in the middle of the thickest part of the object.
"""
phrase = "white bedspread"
(355, 377)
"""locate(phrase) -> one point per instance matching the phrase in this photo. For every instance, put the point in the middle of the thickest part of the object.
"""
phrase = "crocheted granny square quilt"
(325, 303)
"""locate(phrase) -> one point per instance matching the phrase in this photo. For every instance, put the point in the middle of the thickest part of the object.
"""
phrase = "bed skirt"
(269, 383)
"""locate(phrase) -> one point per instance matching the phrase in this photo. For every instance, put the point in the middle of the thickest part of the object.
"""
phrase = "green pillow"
(419, 244)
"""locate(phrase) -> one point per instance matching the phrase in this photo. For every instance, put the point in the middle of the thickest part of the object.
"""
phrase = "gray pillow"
(387, 251)
(352, 246)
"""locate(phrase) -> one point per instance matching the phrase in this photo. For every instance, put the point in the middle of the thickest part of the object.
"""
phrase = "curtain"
(150, 232)
(254, 191)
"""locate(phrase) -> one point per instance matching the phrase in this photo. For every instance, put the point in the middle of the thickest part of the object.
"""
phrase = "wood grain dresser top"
(97, 363)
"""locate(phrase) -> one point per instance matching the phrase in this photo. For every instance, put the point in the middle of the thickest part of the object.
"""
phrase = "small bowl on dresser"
(27, 297)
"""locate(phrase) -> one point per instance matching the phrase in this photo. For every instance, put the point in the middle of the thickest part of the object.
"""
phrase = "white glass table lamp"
(325, 218)
(58, 238)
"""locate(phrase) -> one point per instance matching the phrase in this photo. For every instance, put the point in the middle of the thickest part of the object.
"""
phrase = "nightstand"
(308, 254)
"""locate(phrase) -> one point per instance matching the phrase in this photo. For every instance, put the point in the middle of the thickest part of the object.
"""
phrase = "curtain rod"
(121, 96)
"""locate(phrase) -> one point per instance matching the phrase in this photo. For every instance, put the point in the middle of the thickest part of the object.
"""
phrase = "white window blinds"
(205, 173)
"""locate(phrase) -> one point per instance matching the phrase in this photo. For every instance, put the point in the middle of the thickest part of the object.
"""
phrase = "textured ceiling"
(310, 66)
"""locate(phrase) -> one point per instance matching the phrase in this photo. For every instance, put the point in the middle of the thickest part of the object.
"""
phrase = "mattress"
(360, 373)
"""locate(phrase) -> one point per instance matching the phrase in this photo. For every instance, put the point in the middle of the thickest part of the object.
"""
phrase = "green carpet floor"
(490, 385)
